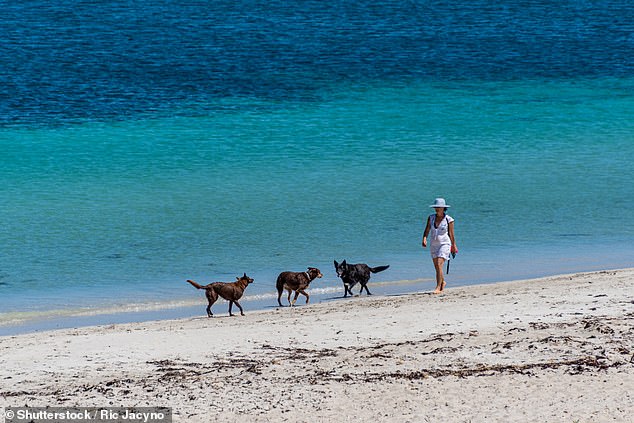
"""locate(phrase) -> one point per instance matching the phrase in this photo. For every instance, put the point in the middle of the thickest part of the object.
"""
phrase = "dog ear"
(245, 275)
(336, 264)
(343, 263)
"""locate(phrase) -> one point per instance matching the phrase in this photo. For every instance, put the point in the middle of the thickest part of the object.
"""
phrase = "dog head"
(341, 268)
(244, 279)
(314, 273)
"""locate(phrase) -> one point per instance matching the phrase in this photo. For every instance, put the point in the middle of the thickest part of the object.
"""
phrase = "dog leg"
(289, 297)
(348, 289)
(366, 290)
(279, 295)
(305, 294)
(211, 298)
(240, 307)
(294, 299)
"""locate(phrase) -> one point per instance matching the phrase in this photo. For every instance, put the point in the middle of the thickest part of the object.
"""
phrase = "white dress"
(440, 245)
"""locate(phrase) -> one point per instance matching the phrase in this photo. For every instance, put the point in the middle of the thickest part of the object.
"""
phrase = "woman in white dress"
(440, 227)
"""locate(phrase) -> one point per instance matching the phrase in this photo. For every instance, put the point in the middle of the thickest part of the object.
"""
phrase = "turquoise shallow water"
(143, 146)
(109, 214)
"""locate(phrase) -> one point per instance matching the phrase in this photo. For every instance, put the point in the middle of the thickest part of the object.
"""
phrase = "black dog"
(351, 274)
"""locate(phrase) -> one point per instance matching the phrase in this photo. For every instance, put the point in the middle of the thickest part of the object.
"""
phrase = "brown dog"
(230, 291)
(296, 281)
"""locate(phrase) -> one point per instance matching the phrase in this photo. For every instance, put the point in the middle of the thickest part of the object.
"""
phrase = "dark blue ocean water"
(117, 60)
(145, 143)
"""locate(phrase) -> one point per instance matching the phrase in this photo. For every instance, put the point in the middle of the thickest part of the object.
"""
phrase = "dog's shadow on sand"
(412, 294)
(404, 294)
(352, 297)
(325, 299)
(216, 317)
(339, 298)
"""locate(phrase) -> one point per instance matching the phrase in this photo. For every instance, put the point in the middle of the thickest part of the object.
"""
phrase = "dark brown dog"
(230, 291)
(296, 281)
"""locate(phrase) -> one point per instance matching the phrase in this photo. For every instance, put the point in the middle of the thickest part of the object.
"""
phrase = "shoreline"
(183, 309)
(468, 271)
(528, 350)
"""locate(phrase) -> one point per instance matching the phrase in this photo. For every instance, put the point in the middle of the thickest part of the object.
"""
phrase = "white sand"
(557, 349)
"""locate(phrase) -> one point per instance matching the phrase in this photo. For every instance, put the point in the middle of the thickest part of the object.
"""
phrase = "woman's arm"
(425, 233)
(452, 237)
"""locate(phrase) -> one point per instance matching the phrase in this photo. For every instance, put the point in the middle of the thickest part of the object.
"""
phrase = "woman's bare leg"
(440, 279)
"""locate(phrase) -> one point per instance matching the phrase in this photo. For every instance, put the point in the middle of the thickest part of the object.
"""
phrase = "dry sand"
(557, 349)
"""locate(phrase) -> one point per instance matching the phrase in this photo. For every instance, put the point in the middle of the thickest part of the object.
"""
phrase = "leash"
(453, 256)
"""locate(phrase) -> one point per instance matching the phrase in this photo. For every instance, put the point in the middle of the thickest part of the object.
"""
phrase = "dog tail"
(196, 285)
(279, 283)
(378, 268)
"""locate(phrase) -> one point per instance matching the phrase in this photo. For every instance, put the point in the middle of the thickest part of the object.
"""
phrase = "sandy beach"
(556, 349)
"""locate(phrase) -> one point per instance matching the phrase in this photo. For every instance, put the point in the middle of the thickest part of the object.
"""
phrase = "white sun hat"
(439, 203)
